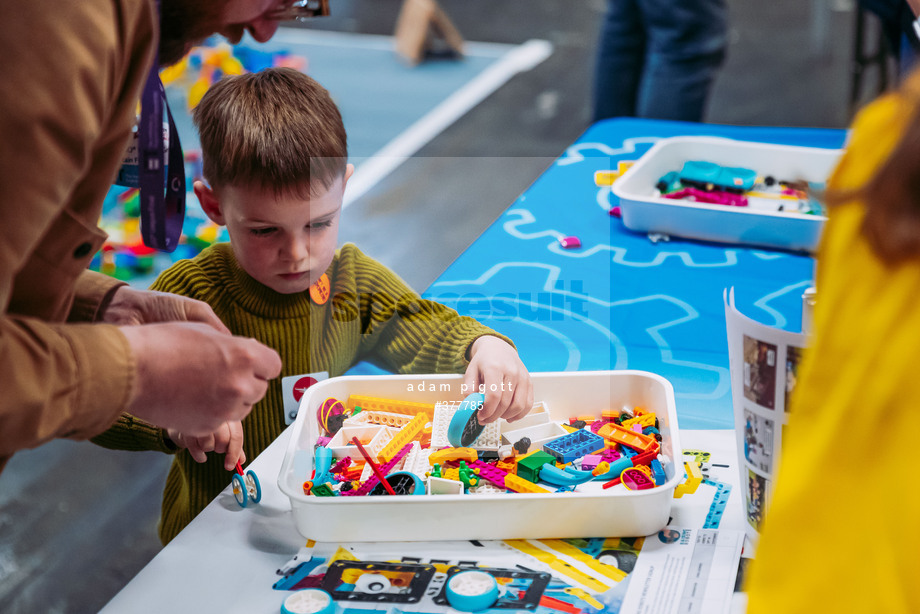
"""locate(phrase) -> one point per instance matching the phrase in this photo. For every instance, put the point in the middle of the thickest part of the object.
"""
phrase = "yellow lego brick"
(450, 473)
(603, 178)
(643, 420)
(385, 418)
(517, 484)
(390, 405)
(694, 478)
(405, 435)
(607, 178)
(453, 454)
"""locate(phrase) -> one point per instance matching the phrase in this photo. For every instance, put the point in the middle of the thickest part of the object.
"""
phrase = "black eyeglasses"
(302, 9)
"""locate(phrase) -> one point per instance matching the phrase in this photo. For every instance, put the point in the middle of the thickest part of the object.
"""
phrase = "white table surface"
(226, 559)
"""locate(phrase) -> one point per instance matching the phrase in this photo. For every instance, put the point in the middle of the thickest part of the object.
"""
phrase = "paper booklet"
(764, 364)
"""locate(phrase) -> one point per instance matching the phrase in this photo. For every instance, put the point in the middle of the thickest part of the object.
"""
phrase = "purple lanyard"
(161, 215)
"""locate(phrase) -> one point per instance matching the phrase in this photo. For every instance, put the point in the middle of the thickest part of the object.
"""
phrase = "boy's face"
(185, 23)
(286, 242)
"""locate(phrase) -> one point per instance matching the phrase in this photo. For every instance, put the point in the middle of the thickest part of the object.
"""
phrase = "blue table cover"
(621, 301)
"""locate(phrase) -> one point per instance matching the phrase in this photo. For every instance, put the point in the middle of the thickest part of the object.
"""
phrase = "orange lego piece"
(425, 439)
(404, 436)
(390, 405)
(626, 437)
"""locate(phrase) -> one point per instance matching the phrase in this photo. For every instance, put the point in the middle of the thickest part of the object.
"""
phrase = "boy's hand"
(227, 439)
(496, 370)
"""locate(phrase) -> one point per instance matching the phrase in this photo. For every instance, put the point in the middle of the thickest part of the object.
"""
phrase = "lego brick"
(405, 435)
(626, 437)
(410, 408)
(538, 434)
(574, 445)
(490, 473)
(518, 484)
(529, 466)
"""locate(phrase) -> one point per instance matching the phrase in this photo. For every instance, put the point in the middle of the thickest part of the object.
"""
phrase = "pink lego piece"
(715, 197)
(385, 468)
(341, 466)
(570, 242)
(634, 479)
(489, 472)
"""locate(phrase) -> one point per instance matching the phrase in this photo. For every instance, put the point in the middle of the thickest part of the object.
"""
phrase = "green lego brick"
(529, 466)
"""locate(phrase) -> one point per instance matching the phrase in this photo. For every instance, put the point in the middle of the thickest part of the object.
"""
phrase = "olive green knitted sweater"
(372, 314)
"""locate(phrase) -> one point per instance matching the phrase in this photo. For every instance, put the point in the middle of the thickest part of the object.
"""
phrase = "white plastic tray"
(493, 515)
(642, 211)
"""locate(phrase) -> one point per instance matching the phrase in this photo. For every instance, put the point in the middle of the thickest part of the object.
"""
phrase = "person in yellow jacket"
(839, 533)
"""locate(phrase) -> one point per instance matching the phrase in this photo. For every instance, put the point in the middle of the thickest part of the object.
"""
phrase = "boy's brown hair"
(276, 129)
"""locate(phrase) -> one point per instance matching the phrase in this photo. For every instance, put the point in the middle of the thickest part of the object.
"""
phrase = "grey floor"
(77, 522)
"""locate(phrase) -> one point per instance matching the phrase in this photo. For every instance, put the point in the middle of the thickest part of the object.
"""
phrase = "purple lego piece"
(590, 461)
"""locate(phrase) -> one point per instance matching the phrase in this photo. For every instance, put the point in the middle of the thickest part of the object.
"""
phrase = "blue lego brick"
(574, 445)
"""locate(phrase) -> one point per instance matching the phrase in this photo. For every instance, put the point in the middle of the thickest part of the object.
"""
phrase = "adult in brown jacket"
(77, 348)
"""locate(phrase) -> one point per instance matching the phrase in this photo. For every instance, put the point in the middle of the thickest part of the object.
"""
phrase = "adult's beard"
(184, 23)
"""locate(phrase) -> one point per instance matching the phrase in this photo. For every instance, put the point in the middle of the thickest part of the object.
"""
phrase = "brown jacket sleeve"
(72, 75)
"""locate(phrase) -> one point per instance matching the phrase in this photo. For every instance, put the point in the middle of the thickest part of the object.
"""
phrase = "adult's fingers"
(267, 363)
(198, 311)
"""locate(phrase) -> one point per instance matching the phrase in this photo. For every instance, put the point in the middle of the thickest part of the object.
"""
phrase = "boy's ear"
(209, 202)
(349, 171)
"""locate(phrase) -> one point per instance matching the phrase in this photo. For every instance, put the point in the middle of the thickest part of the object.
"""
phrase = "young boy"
(275, 156)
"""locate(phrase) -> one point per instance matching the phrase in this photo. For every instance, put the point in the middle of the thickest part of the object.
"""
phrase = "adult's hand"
(192, 378)
(131, 306)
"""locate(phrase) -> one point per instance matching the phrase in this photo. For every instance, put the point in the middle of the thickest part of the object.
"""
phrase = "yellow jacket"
(72, 73)
(840, 534)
